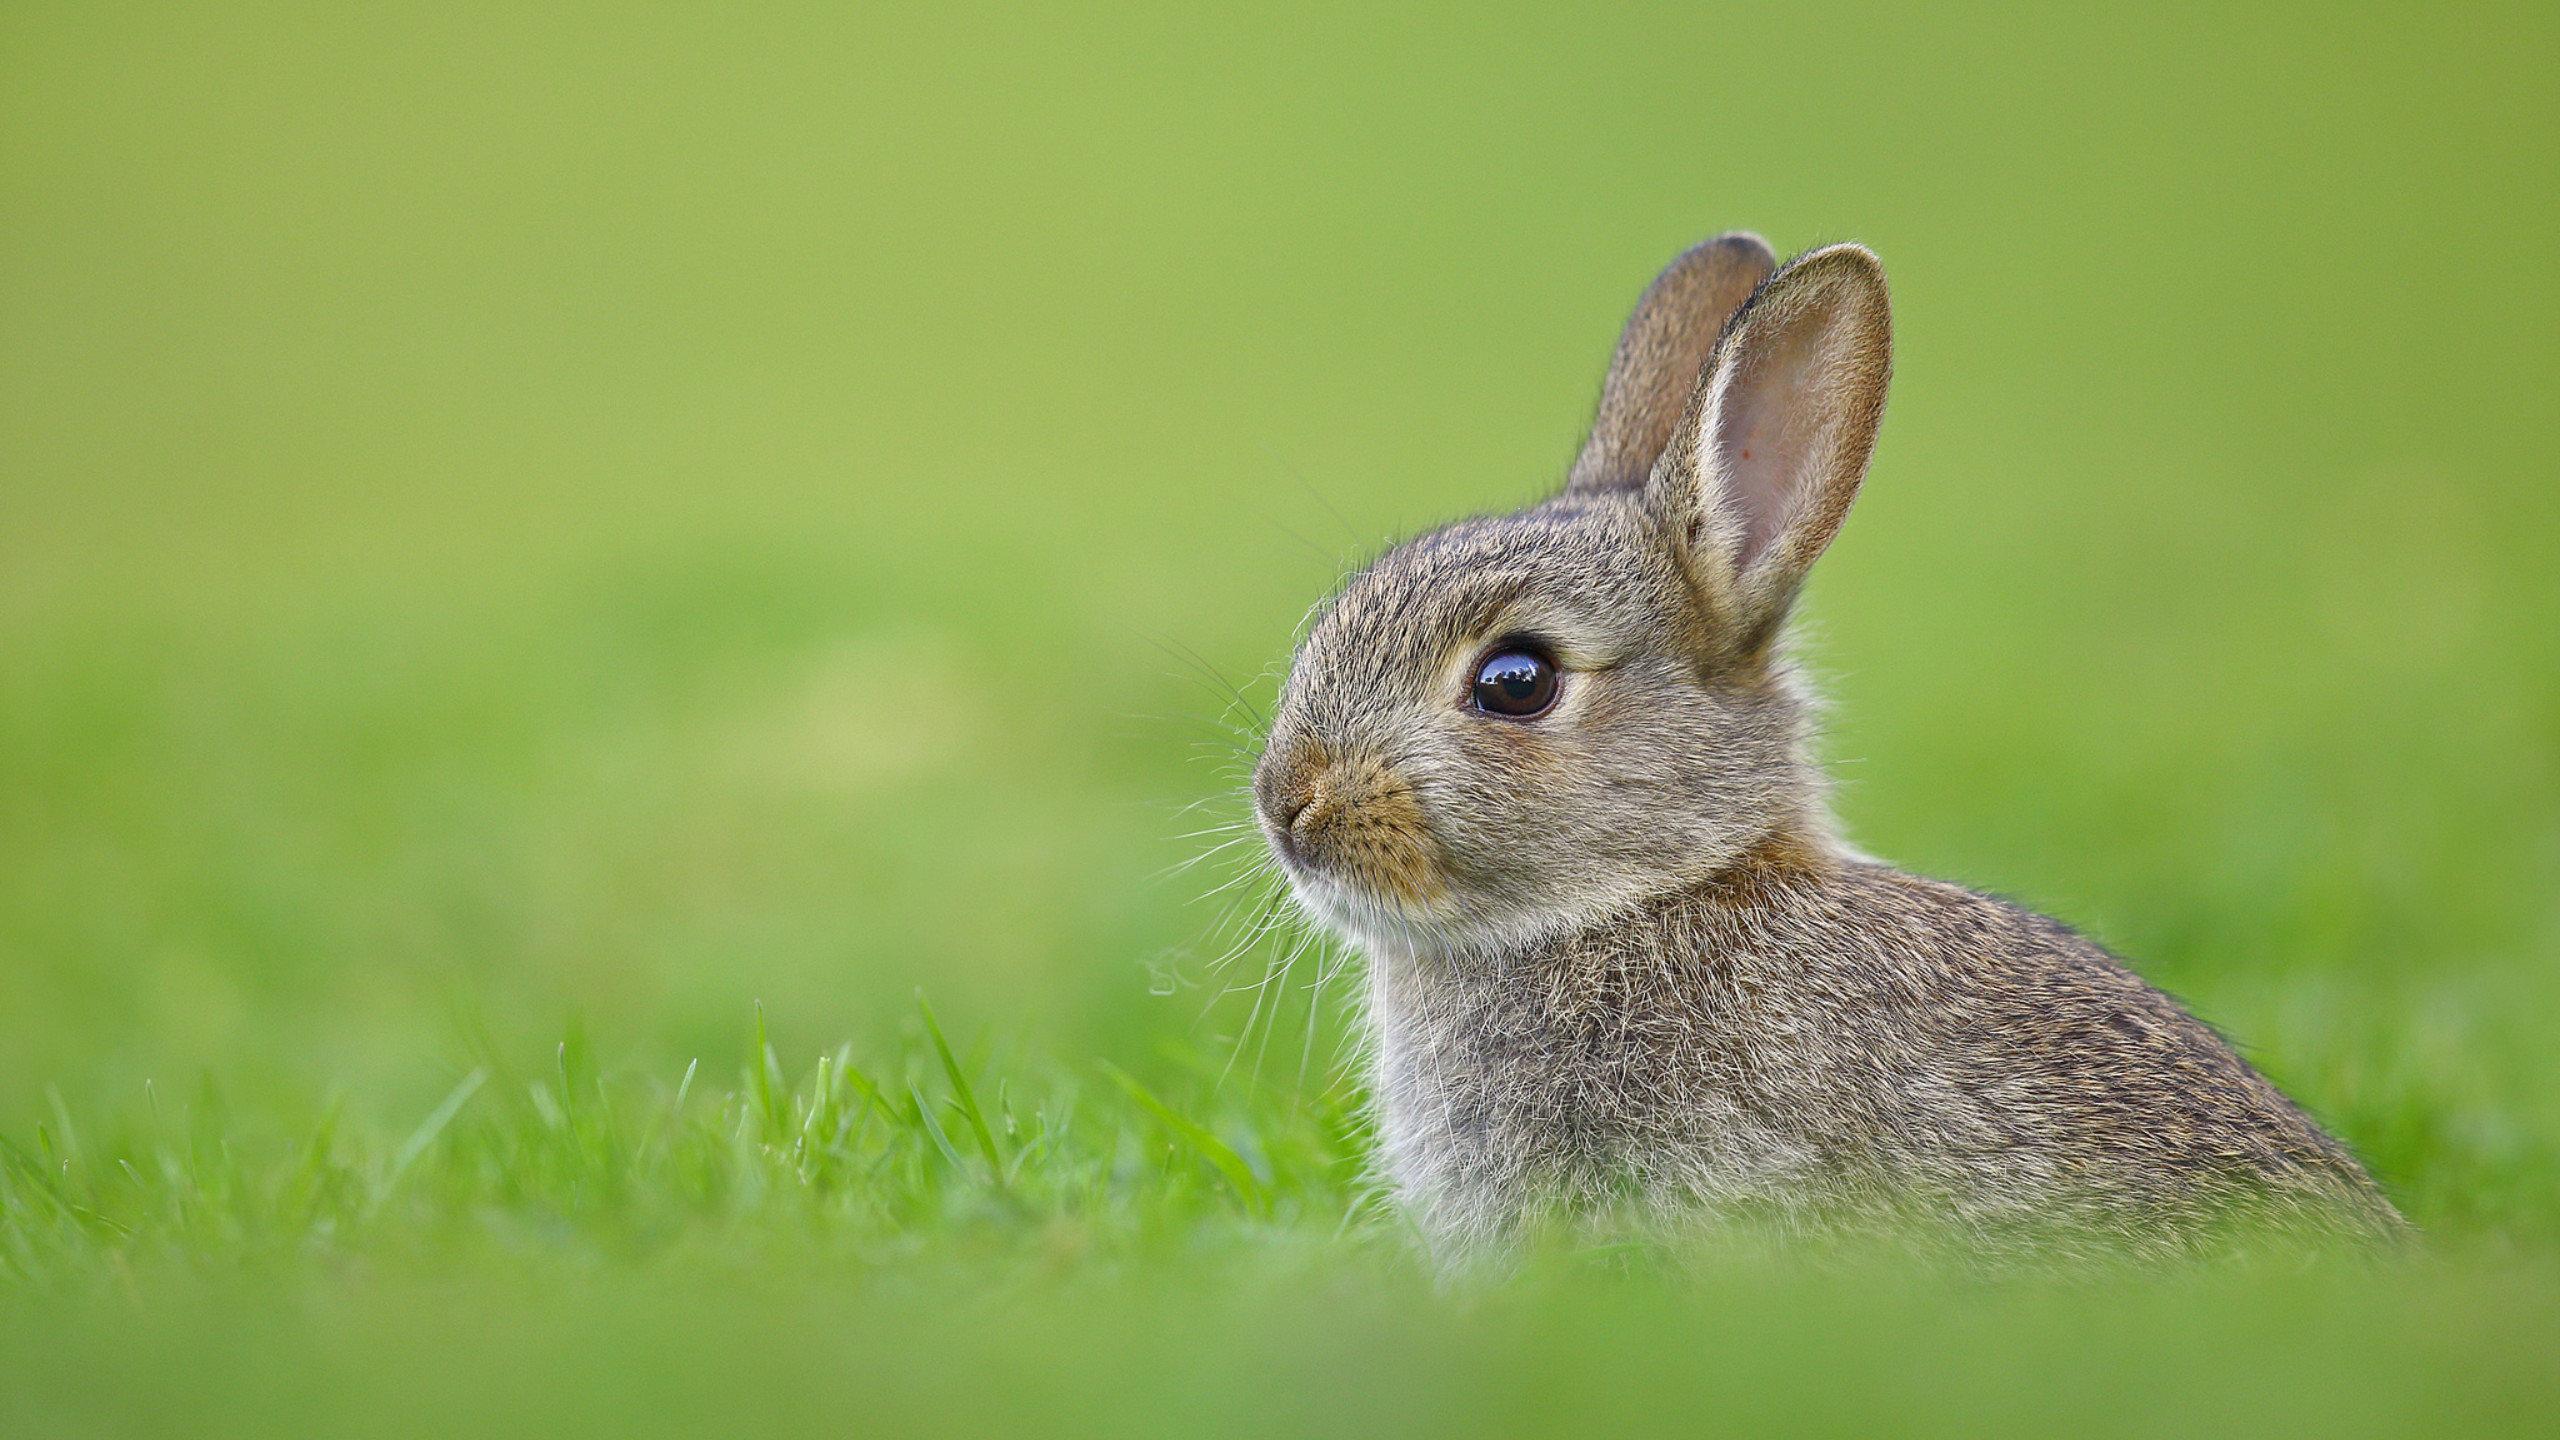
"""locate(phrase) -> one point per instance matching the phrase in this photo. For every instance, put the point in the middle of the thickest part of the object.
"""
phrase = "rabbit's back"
(1818, 1039)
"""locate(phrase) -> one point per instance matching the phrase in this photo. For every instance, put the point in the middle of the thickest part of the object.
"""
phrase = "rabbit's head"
(1517, 726)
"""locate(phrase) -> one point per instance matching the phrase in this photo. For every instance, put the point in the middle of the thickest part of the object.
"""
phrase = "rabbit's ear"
(1661, 355)
(1778, 436)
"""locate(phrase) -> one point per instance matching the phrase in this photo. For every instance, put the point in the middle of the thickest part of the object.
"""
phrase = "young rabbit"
(1549, 771)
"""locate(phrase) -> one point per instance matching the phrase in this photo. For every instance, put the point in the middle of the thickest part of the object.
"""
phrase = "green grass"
(689, 532)
(950, 1245)
(883, 1163)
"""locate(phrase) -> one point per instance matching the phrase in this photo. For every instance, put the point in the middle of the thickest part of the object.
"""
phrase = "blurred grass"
(576, 1250)
(517, 523)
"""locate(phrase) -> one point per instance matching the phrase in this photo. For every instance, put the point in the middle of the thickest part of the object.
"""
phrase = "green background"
(518, 523)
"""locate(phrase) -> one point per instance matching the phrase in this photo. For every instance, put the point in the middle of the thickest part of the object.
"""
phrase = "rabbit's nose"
(1313, 810)
(1321, 810)
(1292, 807)
(1301, 816)
(1284, 786)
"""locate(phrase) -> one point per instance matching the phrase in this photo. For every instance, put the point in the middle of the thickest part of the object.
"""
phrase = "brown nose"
(1350, 815)
(1288, 788)
(1311, 817)
(1290, 811)
(1312, 794)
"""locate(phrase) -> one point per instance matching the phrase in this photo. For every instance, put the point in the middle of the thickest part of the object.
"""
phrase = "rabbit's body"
(1812, 1041)
(1551, 772)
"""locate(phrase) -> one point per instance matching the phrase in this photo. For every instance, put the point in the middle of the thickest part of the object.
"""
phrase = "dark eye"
(1515, 684)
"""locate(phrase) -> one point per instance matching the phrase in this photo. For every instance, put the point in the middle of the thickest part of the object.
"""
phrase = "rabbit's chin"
(1385, 925)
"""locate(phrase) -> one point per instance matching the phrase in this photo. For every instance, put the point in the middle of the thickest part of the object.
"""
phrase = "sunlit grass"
(885, 1156)
(950, 1236)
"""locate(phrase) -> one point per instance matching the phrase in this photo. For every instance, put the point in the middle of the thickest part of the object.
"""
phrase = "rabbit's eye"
(1515, 684)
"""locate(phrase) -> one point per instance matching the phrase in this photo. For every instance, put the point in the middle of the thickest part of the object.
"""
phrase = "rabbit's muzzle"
(1347, 818)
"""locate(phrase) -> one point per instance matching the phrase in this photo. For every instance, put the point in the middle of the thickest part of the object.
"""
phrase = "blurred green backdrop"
(608, 514)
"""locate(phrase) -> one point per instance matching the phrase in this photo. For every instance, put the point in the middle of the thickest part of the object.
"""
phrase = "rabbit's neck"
(1781, 869)
(1542, 1069)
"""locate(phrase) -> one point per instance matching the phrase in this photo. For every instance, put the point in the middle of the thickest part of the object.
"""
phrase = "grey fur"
(1620, 968)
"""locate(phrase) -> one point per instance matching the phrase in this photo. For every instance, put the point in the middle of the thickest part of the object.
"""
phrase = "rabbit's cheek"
(1390, 849)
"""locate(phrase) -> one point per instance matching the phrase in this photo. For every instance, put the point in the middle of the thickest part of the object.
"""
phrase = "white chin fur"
(1372, 923)
(1382, 925)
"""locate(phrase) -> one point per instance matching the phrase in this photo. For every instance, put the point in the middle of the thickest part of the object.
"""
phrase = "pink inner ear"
(1774, 423)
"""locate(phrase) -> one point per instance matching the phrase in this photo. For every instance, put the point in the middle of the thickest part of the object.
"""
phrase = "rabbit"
(1549, 773)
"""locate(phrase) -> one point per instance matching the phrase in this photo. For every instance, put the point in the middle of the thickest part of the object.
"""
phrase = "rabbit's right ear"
(1776, 441)
(1663, 354)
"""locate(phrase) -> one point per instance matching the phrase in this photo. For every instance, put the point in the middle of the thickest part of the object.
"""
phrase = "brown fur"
(1620, 968)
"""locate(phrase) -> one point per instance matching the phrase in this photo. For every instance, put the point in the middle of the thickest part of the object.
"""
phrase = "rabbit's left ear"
(1765, 463)
(1663, 355)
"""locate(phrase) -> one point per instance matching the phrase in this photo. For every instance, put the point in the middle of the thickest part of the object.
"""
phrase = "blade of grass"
(967, 1097)
(933, 1127)
(768, 1081)
(1220, 1156)
(427, 1131)
(870, 1092)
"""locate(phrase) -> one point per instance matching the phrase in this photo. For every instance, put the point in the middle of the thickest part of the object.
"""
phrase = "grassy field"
(614, 629)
